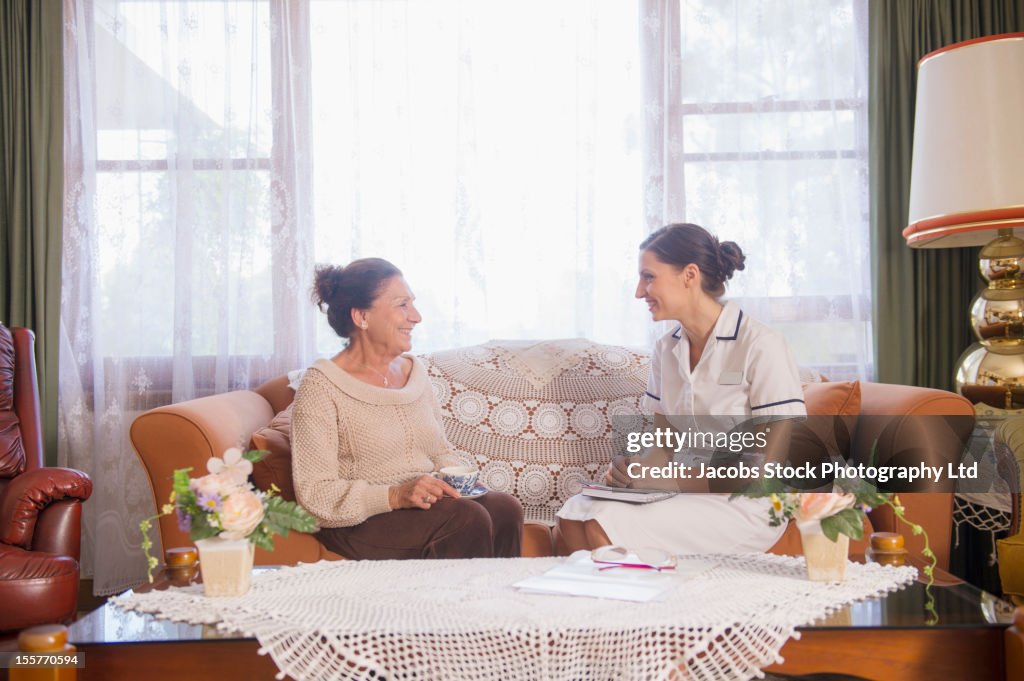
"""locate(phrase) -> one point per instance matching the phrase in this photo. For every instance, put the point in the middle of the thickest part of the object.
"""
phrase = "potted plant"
(227, 517)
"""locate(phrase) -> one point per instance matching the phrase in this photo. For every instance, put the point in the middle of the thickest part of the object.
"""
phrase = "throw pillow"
(276, 467)
(827, 434)
(833, 398)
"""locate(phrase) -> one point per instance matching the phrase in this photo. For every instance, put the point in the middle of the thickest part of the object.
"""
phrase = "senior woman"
(367, 435)
(715, 362)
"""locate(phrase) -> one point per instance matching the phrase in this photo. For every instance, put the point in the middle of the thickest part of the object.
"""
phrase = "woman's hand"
(618, 471)
(423, 492)
(616, 476)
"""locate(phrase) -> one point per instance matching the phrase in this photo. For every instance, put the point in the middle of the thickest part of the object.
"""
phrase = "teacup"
(462, 478)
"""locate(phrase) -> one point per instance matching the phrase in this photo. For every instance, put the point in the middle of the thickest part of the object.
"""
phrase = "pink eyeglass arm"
(609, 565)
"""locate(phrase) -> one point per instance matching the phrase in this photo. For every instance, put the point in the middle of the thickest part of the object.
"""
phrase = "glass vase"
(225, 565)
(826, 559)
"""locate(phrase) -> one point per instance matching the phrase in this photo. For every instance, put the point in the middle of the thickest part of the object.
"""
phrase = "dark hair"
(684, 243)
(355, 286)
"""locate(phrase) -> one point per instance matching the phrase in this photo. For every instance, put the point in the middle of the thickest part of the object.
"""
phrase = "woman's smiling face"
(662, 287)
(392, 317)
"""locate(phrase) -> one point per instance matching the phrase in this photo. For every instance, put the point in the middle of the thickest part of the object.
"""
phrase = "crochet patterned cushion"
(539, 418)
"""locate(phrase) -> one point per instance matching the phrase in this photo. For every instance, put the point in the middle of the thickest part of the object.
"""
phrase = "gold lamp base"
(992, 370)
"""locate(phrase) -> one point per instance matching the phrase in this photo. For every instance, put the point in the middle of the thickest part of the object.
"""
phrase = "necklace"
(382, 376)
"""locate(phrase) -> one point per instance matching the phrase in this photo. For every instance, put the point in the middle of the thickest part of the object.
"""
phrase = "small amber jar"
(887, 548)
(48, 639)
(182, 565)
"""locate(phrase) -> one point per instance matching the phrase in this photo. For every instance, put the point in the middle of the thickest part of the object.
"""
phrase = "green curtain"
(921, 296)
(31, 184)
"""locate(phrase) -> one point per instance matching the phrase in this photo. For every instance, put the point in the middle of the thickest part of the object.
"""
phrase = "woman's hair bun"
(328, 284)
(731, 257)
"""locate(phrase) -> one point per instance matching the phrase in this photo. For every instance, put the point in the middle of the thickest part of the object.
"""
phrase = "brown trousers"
(490, 526)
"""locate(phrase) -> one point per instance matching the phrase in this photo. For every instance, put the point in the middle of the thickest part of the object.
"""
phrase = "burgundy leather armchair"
(40, 508)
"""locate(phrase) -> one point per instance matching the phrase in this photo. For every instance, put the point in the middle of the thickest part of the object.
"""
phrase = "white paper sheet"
(580, 576)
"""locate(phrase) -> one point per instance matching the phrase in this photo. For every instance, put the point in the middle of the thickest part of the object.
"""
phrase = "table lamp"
(967, 189)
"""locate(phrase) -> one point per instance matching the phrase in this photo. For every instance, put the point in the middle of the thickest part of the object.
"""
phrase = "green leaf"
(849, 522)
(830, 528)
(873, 498)
(264, 540)
(256, 455)
(282, 516)
(180, 485)
(201, 527)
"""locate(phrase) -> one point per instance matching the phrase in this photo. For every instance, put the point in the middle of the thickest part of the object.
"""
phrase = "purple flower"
(184, 520)
(209, 502)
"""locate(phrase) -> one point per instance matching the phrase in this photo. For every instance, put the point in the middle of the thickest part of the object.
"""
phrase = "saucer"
(477, 491)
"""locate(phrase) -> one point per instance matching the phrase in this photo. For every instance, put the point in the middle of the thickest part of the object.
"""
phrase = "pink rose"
(241, 513)
(819, 505)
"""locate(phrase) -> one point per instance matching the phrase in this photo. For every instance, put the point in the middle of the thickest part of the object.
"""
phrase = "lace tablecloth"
(461, 619)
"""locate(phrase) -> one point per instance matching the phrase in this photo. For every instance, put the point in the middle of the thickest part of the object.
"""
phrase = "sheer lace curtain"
(188, 230)
(756, 116)
(508, 157)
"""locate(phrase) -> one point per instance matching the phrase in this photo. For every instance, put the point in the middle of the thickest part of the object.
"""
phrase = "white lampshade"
(967, 178)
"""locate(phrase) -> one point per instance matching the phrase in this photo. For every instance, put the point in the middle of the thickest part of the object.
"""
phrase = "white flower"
(240, 514)
(233, 466)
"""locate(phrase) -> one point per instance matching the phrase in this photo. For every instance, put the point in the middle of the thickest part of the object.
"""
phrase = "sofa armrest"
(186, 435)
(59, 529)
(889, 399)
(910, 425)
(27, 495)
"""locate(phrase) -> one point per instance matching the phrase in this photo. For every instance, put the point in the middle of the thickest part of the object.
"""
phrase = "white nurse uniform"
(746, 369)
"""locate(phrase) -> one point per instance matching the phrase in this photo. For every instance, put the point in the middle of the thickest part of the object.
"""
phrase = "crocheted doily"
(462, 619)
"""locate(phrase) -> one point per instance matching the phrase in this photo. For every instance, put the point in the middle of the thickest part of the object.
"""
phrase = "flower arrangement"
(224, 503)
(840, 512)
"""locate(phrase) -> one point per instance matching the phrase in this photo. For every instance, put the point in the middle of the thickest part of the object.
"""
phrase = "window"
(773, 111)
(496, 153)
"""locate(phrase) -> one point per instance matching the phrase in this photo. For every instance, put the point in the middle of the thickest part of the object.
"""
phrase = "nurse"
(716, 362)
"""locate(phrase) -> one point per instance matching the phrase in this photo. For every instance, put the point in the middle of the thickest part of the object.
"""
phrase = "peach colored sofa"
(537, 419)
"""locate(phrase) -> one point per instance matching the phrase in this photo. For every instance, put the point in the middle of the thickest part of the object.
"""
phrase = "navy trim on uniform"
(775, 404)
(675, 334)
(735, 333)
(653, 397)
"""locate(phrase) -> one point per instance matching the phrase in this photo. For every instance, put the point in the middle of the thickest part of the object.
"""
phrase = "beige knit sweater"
(351, 441)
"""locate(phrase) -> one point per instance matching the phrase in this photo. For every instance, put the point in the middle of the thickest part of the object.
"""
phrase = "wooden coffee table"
(885, 639)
